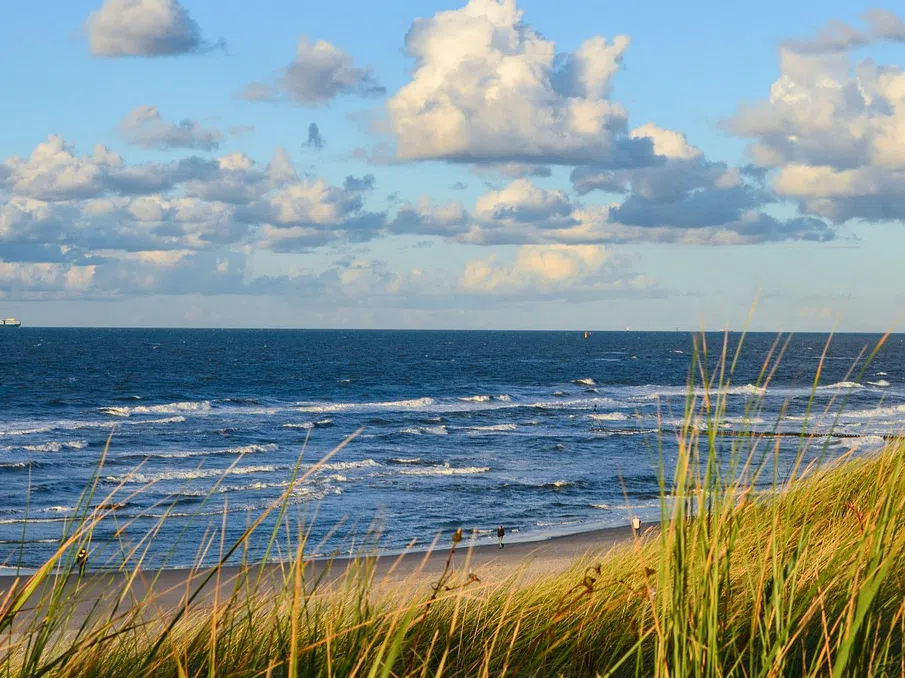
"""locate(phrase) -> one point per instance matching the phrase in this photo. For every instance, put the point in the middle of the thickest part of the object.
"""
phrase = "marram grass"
(803, 580)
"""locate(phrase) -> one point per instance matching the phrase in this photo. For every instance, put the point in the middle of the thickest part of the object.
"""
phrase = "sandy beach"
(527, 560)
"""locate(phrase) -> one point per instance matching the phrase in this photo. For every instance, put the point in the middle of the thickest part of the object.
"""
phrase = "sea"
(546, 433)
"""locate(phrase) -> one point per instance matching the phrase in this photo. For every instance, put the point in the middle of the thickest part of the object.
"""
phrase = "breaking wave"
(840, 386)
(409, 461)
(609, 416)
(54, 446)
(347, 465)
(308, 425)
(445, 470)
(425, 430)
(414, 404)
(585, 382)
(492, 428)
(192, 474)
(188, 454)
(169, 408)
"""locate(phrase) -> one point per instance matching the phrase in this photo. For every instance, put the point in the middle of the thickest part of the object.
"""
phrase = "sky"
(489, 164)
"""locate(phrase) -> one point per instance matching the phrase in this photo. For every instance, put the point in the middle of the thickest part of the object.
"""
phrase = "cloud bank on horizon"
(571, 180)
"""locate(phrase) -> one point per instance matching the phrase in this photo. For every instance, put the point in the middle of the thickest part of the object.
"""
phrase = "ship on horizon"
(8, 323)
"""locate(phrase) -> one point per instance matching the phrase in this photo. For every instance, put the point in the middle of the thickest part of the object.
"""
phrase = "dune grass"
(803, 579)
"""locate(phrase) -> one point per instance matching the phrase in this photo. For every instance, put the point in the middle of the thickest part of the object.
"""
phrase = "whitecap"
(165, 420)
(587, 381)
(347, 465)
(55, 446)
(188, 454)
(880, 382)
(191, 474)
(406, 460)
(445, 470)
(493, 428)
(839, 386)
(115, 411)
(609, 416)
(168, 408)
(429, 430)
(308, 425)
(414, 404)
(869, 442)
(476, 399)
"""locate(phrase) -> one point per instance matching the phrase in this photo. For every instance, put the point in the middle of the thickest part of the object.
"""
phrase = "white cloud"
(428, 218)
(523, 203)
(142, 28)
(550, 270)
(144, 126)
(91, 204)
(834, 136)
(488, 88)
(44, 280)
(319, 73)
(683, 203)
(53, 172)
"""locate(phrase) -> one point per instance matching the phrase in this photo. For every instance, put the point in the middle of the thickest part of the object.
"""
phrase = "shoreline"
(169, 587)
(583, 532)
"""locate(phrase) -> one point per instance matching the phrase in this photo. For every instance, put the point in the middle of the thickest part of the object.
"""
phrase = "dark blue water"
(542, 431)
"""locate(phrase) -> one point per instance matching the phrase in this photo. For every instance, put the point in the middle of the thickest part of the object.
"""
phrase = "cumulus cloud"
(487, 88)
(44, 280)
(54, 172)
(428, 218)
(551, 270)
(689, 204)
(64, 215)
(144, 126)
(319, 73)
(145, 28)
(832, 136)
(523, 204)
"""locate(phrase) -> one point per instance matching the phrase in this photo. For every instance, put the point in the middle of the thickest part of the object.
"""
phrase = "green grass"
(806, 579)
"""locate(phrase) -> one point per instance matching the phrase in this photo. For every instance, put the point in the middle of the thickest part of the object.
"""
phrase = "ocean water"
(544, 432)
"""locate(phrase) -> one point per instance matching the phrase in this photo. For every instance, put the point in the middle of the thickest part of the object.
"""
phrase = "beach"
(525, 561)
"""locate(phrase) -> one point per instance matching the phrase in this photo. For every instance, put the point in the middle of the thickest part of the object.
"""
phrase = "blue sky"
(488, 164)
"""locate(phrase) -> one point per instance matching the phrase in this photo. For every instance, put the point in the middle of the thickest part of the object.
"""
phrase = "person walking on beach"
(81, 559)
(500, 533)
